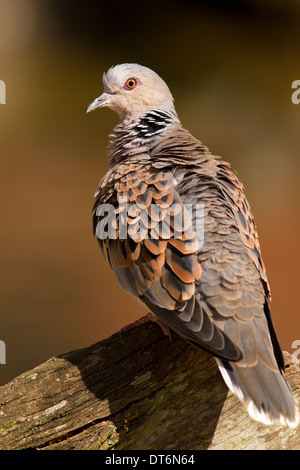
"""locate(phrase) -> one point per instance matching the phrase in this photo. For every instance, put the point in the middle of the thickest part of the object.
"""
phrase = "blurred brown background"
(229, 65)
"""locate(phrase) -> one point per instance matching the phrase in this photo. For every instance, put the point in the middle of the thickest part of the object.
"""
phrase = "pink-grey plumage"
(209, 287)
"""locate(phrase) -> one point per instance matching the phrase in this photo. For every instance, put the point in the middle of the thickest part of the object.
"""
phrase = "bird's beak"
(101, 101)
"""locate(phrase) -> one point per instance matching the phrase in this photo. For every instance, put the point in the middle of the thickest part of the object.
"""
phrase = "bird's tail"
(264, 392)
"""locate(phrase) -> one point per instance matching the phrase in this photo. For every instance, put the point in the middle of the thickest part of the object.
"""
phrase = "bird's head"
(132, 90)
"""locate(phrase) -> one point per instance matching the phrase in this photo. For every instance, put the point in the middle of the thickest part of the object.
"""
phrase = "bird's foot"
(149, 317)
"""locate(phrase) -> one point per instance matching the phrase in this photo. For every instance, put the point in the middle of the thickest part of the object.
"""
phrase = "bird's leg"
(149, 317)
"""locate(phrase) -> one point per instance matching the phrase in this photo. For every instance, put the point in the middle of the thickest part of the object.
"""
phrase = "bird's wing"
(147, 235)
(233, 287)
(233, 191)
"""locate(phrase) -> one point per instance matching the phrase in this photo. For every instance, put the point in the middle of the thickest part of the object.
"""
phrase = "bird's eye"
(131, 83)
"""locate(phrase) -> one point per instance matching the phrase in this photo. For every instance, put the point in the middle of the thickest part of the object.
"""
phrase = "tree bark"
(136, 390)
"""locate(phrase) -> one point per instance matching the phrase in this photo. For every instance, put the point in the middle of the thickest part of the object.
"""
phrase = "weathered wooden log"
(135, 390)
